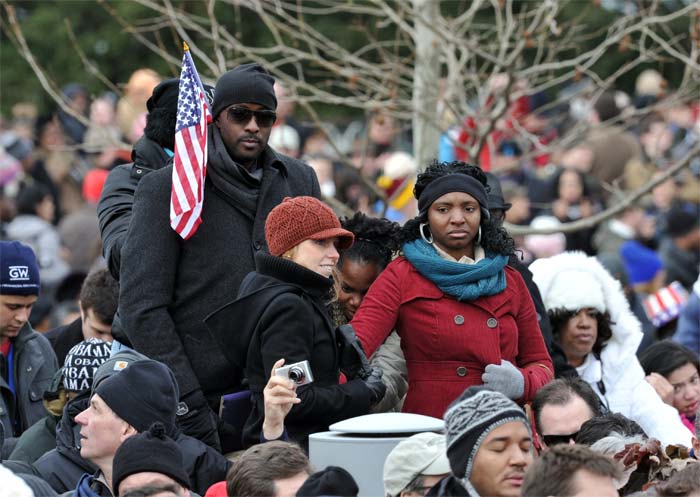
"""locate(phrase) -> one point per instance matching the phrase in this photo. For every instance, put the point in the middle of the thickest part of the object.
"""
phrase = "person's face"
(93, 327)
(500, 463)
(287, 487)
(454, 223)
(570, 187)
(14, 313)
(101, 431)
(657, 140)
(588, 484)
(46, 209)
(319, 256)
(519, 211)
(246, 141)
(355, 279)
(149, 479)
(564, 420)
(579, 335)
(663, 194)
(686, 389)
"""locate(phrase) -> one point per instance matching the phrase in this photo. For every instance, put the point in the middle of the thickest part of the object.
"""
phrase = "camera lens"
(296, 375)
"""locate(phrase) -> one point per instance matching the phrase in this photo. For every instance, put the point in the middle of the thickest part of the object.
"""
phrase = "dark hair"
(556, 180)
(681, 484)
(602, 426)
(553, 473)
(376, 240)
(559, 317)
(606, 106)
(150, 490)
(665, 357)
(100, 292)
(560, 392)
(648, 121)
(160, 126)
(255, 471)
(29, 198)
(494, 239)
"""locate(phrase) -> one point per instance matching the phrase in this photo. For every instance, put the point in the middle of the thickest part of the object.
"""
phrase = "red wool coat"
(447, 343)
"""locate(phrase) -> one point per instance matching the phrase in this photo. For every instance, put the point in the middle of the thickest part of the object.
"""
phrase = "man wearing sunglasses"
(169, 285)
(561, 407)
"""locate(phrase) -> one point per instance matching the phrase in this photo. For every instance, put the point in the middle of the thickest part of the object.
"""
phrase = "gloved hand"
(504, 378)
(376, 386)
(197, 420)
(353, 361)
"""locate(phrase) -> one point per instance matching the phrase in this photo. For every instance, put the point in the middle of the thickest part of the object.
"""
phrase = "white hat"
(421, 454)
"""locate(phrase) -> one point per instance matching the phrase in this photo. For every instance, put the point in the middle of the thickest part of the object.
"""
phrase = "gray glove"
(504, 378)
(376, 386)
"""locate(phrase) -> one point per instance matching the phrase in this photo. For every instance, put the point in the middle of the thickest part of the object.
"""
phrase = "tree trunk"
(426, 135)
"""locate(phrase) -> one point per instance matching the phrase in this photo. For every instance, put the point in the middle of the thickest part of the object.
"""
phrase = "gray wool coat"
(168, 285)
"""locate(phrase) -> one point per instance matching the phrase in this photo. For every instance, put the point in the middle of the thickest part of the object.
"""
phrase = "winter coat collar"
(289, 272)
(149, 154)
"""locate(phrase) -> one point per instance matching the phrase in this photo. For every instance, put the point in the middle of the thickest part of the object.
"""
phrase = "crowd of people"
(134, 362)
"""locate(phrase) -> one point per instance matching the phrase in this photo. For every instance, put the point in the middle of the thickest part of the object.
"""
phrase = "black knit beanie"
(469, 419)
(149, 452)
(142, 394)
(246, 84)
(332, 481)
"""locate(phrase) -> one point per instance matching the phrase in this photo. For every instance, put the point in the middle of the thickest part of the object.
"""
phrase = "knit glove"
(504, 378)
(376, 386)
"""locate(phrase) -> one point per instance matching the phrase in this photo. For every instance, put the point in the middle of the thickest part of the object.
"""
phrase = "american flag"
(190, 163)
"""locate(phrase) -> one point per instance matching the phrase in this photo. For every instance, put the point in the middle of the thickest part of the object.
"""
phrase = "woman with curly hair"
(464, 317)
(593, 324)
(376, 243)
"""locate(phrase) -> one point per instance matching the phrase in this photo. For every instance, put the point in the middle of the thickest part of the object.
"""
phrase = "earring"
(426, 239)
(478, 237)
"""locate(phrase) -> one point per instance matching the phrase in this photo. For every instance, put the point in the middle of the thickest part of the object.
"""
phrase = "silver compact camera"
(299, 373)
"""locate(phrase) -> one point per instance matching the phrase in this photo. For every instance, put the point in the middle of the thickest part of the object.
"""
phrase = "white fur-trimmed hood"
(581, 273)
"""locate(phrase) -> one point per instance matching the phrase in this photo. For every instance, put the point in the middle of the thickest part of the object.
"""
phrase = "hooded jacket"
(617, 377)
(117, 198)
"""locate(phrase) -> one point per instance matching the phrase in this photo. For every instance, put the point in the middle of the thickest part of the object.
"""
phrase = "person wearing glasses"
(593, 324)
(169, 285)
(561, 407)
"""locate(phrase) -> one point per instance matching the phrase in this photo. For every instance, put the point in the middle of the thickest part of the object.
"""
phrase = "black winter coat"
(117, 198)
(280, 313)
(169, 285)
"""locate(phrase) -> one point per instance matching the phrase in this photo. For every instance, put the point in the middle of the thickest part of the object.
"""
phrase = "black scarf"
(236, 184)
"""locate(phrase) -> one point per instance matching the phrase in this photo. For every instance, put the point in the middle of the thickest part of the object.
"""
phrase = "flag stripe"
(189, 165)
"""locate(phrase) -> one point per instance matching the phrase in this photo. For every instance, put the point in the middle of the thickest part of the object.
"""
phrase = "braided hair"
(376, 240)
(494, 239)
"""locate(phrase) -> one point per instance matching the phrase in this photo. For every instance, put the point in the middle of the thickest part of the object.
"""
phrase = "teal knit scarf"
(462, 281)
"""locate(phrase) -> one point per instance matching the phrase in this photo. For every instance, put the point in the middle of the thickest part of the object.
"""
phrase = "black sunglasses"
(243, 115)
(551, 440)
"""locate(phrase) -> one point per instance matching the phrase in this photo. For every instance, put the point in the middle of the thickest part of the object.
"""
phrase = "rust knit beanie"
(303, 218)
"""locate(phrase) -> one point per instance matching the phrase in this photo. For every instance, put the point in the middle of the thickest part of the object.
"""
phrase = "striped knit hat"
(469, 419)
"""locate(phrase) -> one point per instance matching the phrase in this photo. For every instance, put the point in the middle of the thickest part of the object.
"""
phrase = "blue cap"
(19, 270)
(641, 263)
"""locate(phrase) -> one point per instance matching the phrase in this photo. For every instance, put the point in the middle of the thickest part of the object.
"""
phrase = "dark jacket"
(168, 286)
(34, 366)
(63, 338)
(450, 486)
(680, 265)
(36, 441)
(280, 313)
(63, 467)
(117, 198)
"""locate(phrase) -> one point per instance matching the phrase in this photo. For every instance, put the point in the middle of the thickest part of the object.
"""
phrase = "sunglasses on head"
(243, 115)
(551, 440)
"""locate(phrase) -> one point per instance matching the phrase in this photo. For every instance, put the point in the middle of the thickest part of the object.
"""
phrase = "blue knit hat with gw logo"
(19, 272)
